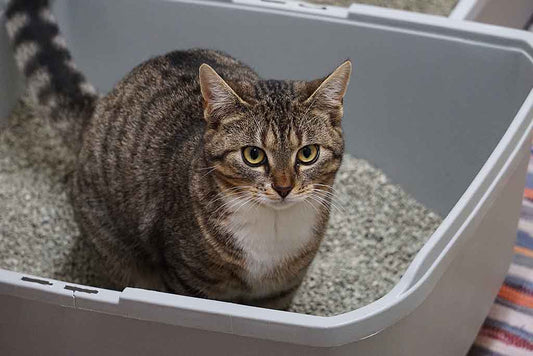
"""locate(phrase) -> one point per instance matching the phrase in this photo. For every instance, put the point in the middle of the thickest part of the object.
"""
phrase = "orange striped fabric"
(523, 251)
(528, 193)
(515, 296)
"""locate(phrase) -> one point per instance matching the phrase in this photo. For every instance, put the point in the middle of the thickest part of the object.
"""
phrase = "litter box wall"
(444, 108)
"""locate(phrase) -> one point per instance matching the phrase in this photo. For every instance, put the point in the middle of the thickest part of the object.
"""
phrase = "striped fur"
(161, 188)
(53, 82)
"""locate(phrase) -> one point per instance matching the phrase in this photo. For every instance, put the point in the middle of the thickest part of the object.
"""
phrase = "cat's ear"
(217, 94)
(331, 90)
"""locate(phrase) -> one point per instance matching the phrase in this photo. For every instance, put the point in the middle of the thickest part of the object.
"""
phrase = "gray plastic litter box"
(443, 107)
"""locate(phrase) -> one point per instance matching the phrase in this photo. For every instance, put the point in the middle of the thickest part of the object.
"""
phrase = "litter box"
(443, 107)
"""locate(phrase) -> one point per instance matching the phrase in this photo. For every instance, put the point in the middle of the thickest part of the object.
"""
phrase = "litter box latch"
(64, 293)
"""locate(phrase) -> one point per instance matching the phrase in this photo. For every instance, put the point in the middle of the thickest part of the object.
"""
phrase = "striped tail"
(53, 82)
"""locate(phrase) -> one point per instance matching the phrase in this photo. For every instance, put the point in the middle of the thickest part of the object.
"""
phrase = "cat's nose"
(283, 191)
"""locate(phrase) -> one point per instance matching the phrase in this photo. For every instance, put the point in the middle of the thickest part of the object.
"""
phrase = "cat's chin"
(280, 204)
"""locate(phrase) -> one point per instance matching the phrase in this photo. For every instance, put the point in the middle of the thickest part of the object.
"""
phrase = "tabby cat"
(194, 175)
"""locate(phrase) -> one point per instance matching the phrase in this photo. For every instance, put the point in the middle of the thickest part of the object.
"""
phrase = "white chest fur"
(269, 236)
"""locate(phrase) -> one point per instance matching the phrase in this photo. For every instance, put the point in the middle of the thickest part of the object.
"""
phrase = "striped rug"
(508, 329)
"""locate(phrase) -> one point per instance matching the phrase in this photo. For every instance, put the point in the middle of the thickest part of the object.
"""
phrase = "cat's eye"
(308, 154)
(253, 156)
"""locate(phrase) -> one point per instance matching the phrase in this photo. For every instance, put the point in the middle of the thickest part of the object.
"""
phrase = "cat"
(194, 175)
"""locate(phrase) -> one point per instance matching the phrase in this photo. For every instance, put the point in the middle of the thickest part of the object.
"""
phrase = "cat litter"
(374, 232)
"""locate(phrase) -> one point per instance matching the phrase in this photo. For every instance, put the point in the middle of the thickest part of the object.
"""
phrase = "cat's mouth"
(281, 204)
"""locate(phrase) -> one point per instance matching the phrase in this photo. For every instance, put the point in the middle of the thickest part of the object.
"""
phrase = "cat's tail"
(53, 82)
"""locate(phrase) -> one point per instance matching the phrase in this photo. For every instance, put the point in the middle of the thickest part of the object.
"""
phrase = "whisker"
(318, 201)
(208, 172)
(332, 205)
(326, 204)
(309, 202)
(330, 195)
(227, 192)
(205, 168)
(329, 203)
(229, 204)
(243, 204)
(222, 195)
(228, 195)
(333, 191)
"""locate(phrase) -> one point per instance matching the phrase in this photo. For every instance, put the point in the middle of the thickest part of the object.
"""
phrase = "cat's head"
(274, 142)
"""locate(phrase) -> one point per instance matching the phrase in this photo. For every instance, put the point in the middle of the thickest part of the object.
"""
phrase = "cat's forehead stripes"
(269, 139)
(281, 136)
(264, 88)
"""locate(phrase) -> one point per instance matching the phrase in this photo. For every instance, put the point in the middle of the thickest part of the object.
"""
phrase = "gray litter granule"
(373, 234)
